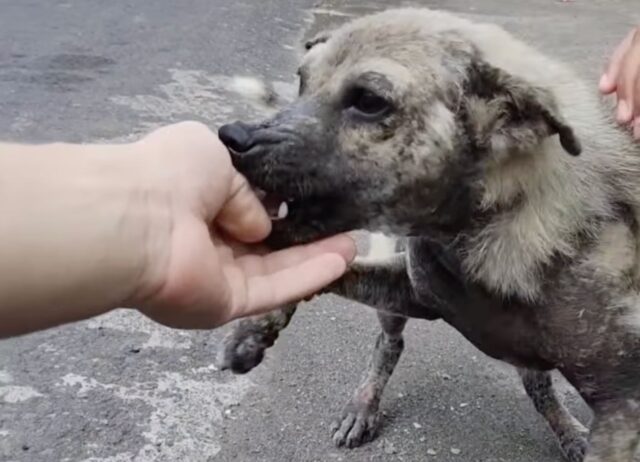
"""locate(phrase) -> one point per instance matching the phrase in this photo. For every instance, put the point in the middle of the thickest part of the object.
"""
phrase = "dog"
(515, 194)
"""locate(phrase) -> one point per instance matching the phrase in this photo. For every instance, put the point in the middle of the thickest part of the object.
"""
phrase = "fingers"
(623, 77)
(253, 264)
(293, 283)
(608, 82)
(288, 275)
(628, 84)
(243, 215)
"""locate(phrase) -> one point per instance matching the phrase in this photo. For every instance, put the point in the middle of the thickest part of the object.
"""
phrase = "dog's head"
(393, 124)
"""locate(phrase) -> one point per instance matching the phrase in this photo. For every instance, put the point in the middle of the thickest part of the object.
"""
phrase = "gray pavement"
(118, 388)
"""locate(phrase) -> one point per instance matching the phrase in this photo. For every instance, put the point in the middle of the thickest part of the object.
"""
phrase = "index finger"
(254, 264)
(292, 284)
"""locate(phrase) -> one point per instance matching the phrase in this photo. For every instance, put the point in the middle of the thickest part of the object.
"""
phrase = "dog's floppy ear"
(319, 38)
(506, 114)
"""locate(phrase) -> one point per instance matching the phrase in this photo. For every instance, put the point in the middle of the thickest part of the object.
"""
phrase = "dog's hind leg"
(570, 433)
(243, 347)
(615, 433)
(360, 418)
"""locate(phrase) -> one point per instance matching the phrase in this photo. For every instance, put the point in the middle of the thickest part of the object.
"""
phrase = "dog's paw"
(573, 439)
(358, 424)
(575, 448)
(243, 348)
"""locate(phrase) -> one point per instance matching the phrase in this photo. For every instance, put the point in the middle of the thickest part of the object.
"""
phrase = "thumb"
(242, 216)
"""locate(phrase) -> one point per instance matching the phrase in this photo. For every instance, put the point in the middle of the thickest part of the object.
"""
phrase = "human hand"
(162, 224)
(200, 270)
(622, 76)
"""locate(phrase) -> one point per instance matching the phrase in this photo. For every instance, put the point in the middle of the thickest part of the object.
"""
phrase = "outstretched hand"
(208, 271)
(165, 225)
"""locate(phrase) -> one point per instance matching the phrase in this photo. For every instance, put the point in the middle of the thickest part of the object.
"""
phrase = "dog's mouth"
(276, 205)
(298, 219)
(301, 211)
(283, 208)
(287, 198)
(294, 189)
(303, 199)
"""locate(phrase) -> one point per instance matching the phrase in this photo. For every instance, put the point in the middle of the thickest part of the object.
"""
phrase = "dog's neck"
(531, 211)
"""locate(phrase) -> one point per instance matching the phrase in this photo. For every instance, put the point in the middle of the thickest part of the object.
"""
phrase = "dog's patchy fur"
(465, 141)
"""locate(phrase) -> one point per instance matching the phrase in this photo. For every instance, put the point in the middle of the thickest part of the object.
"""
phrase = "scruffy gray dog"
(516, 192)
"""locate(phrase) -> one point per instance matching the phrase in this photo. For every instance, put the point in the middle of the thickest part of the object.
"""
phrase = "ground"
(119, 388)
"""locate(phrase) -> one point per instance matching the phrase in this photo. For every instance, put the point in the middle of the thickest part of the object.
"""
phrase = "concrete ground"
(118, 388)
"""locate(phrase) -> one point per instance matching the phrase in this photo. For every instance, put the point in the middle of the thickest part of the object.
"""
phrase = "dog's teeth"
(283, 211)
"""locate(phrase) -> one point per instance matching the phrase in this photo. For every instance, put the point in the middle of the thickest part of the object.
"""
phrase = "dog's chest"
(499, 329)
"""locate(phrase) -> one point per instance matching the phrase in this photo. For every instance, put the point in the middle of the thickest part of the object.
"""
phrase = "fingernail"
(624, 112)
(604, 83)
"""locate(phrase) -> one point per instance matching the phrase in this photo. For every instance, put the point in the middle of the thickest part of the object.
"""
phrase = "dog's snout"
(236, 136)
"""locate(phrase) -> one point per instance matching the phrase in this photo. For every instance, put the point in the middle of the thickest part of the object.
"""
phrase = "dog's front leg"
(244, 346)
(360, 418)
(383, 285)
(570, 433)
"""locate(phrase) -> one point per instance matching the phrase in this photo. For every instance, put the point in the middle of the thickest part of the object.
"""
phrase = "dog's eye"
(367, 103)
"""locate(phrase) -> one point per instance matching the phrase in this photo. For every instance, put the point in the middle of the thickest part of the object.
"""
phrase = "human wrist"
(137, 231)
(150, 216)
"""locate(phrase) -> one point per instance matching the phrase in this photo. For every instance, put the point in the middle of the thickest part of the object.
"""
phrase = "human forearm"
(70, 247)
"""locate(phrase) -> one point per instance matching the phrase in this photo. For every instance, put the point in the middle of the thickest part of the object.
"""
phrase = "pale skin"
(164, 225)
(622, 78)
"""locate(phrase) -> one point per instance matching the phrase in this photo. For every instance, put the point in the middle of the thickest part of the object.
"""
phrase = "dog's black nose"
(236, 136)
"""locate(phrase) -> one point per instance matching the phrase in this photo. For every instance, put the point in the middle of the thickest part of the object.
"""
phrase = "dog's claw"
(358, 425)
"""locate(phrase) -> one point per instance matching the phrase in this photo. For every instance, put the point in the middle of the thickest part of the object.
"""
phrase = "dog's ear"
(507, 114)
(319, 38)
